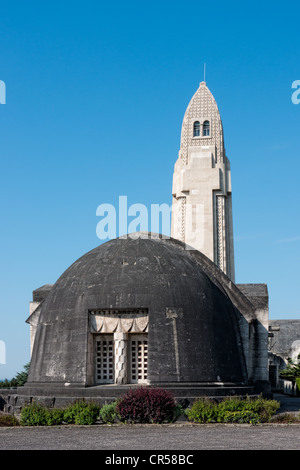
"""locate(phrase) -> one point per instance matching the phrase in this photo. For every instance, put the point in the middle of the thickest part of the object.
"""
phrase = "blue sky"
(95, 96)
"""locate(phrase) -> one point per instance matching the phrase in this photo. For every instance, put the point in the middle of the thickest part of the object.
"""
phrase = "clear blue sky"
(96, 93)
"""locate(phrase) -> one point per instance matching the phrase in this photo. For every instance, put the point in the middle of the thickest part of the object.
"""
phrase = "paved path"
(152, 437)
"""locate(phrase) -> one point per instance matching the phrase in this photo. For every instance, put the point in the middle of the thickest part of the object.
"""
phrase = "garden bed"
(150, 406)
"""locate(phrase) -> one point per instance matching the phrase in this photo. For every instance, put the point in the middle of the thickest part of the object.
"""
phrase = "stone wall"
(285, 338)
(4, 394)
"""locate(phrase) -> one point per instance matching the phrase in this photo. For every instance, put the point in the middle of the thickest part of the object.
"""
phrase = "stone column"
(120, 341)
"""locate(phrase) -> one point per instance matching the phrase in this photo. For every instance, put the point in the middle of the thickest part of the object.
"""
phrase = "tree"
(21, 377)
(292, 371)
(17, 381)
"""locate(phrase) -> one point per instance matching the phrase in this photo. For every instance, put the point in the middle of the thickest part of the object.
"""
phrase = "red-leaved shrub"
(146, 405)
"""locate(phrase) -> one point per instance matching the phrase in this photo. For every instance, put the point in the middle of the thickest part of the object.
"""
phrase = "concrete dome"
(193, 333)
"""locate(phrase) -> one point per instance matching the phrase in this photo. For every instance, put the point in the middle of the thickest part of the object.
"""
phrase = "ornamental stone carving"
(105, 321)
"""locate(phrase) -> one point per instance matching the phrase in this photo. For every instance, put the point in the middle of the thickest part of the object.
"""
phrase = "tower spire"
(202, 208)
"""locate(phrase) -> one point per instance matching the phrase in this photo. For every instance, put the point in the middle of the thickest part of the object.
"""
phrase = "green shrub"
(178, 411)
(71, 411)
(203, 411)
(81, 412)
(33, 415)
(233, 409)
(38, 415)
(87, 415)
(241, 416)
(77, 413)
(54, 416)
(264, 407)
(232, 404)
(8, 420)
(108, 413)
(292, 371)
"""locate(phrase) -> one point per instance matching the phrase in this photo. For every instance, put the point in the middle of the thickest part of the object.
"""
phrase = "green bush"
(242, 416)
(71, 411)
(88, 415)
(260, 406)
(108, 413)
(264, 407)
(8, 420)
(81, 412)
(153, 405)
(33, 415)
(77, 413)
(234, 409)
(178, 411)
(292, 371)
(203, 411)
(38, 415)
(54, 416)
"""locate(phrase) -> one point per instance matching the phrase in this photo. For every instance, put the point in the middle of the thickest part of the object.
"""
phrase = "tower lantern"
(202, 205)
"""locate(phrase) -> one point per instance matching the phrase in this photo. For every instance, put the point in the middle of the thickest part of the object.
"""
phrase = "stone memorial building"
(145, 309)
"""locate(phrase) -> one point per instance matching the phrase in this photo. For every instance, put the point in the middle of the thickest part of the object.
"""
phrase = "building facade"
(156, 311)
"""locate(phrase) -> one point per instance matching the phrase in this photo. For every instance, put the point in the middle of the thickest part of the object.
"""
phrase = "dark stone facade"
(198, 331)
(155, 274)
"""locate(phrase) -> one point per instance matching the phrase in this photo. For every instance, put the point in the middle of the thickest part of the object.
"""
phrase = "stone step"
(60, 397)
(117, 391)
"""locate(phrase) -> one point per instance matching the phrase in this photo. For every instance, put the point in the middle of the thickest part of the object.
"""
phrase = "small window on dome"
(196, 129)
(206, 128)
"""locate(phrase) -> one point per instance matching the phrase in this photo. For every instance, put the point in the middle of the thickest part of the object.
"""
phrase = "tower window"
(206, 129)
(196, 129)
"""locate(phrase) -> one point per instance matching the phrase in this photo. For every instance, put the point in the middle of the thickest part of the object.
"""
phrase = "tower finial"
(204, 71)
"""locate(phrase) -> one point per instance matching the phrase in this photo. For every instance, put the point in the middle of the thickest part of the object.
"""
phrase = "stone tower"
(202, 206)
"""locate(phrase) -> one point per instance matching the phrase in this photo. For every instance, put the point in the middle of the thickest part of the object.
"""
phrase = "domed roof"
(197, 342)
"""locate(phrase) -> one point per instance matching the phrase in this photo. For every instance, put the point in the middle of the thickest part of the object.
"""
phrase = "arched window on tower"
(196, 129)
(206, 128)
